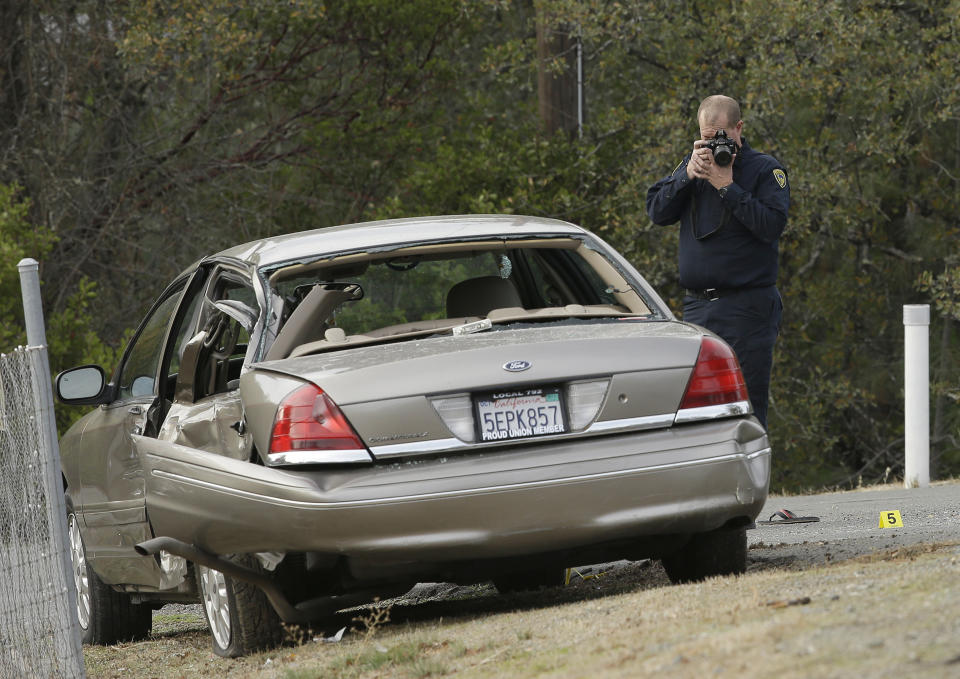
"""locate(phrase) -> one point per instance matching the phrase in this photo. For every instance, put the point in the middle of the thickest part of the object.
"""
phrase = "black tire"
(719, 552)
(105, 615)
(522, 581)
(239, 615)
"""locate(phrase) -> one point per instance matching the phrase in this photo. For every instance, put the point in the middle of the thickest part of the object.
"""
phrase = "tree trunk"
(557, 71)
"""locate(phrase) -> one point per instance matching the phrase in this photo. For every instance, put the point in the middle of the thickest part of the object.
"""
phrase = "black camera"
(723, 148)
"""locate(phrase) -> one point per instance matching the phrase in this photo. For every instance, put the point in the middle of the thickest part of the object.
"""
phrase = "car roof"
(393, 232)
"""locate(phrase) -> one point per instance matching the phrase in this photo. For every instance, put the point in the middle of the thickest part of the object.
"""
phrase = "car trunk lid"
(420, 396)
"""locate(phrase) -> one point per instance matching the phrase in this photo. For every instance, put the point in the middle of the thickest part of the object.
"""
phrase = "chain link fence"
(38, 633)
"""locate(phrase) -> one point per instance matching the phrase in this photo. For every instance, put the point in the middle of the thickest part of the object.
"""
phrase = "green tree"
(71, 339)
(147, 134)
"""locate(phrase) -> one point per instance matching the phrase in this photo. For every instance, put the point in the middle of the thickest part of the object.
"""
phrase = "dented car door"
(112, 494)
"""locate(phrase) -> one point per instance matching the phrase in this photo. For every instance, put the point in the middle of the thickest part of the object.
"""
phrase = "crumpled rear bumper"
(510, 502)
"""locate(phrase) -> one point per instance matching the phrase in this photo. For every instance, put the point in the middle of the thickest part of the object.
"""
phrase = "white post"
(916, 393)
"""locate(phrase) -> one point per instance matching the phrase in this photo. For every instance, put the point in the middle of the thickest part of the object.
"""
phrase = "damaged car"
(307, 422)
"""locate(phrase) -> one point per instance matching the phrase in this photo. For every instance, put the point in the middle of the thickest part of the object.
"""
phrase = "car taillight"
(716, 387)
(308, 421)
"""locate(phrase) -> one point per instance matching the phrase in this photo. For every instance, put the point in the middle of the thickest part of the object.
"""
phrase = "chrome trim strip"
(295, 504)
(631, 424)
(421, 447)
(713, 412)
(450, 445)
(350, 456)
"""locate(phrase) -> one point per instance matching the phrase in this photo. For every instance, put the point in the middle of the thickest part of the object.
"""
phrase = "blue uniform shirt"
(729, 242)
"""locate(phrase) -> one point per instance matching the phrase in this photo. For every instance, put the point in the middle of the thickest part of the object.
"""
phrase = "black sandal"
(786, 516)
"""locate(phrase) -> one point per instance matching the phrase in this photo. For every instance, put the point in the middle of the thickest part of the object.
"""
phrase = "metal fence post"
(32, 303)
(916, 394)
(37, 337)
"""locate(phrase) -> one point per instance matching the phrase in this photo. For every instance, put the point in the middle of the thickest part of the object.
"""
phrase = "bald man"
(732, 204)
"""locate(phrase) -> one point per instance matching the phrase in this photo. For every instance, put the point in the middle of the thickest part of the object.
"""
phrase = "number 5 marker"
(891, 519)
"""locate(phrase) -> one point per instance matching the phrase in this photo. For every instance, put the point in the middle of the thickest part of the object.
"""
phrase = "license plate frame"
(524, 413)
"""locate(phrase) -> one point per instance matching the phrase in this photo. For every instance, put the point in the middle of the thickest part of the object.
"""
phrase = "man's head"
(718, 112)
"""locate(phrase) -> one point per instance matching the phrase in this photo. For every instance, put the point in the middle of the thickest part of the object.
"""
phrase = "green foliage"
(70, 337)
(18, 240)
(944, 289)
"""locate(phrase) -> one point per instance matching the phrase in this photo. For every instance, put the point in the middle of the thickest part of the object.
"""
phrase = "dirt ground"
(793, 614)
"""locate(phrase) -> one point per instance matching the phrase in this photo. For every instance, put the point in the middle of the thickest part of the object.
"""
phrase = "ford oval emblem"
(516, 366)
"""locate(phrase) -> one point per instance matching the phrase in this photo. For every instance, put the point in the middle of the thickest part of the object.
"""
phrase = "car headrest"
(477, 296)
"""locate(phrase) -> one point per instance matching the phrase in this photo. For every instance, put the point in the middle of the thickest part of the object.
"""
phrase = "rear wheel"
(105, 615)
(240, 617)
(719, 552)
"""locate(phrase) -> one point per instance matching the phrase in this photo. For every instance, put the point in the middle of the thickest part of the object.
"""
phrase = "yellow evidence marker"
(891, 519)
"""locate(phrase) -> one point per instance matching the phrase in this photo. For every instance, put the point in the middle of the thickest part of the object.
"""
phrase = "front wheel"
(105, 615)
(240, 617)
(718, 552)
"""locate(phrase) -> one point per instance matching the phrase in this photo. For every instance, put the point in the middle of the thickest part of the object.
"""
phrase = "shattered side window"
(231, 289)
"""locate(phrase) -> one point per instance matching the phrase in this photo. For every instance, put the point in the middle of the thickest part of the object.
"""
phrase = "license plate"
(519, 413)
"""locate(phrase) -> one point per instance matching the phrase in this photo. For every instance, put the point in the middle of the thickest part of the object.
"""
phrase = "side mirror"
(84, 385)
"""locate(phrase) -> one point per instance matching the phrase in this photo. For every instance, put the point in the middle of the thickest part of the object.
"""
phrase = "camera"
(723, 148)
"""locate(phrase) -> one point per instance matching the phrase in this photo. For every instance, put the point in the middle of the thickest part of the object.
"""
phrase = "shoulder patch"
(781, 177)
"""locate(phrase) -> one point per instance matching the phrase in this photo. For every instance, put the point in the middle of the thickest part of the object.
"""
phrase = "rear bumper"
(496, 504)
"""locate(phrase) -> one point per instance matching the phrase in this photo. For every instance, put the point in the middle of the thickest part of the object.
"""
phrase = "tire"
(240, 617)
(719, 552)
(105, 615)
(522, 581)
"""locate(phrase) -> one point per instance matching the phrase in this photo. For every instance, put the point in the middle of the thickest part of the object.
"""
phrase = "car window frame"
(177, 288)
(244, 276)
(205, 292)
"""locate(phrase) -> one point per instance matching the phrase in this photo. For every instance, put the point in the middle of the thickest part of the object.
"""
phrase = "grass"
(174, 623)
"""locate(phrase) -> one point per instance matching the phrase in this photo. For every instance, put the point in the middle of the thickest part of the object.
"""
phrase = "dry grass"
(885, 615)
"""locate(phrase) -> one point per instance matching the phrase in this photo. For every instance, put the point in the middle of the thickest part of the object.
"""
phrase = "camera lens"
(722, 155)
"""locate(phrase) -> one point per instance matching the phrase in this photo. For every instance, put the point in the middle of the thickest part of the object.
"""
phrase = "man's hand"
(701, 166)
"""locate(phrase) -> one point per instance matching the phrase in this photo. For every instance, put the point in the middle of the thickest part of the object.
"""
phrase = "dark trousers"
(749, 321)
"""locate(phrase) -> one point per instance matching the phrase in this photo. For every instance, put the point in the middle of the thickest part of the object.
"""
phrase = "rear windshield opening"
(437, 288)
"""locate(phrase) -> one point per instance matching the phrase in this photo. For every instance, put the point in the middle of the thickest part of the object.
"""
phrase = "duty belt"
(712, 294)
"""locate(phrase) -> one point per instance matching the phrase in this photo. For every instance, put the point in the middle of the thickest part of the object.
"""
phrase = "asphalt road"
(849, 523)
